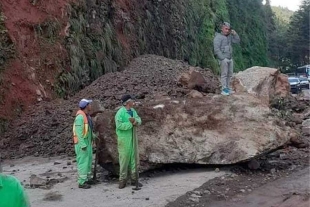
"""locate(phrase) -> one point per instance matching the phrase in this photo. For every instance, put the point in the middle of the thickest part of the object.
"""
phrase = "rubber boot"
(122, 184)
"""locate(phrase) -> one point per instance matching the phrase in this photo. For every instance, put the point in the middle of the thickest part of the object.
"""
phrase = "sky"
(291, 4)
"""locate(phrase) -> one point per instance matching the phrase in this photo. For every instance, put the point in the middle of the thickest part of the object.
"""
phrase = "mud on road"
(281, 181)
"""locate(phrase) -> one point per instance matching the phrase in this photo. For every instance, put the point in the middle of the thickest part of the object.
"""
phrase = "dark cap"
(126, 98)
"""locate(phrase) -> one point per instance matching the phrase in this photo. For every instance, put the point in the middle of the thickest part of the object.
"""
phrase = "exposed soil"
(46, 128)
(37, 61)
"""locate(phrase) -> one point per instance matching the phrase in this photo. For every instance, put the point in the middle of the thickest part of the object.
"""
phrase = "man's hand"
(132, 120)
(233, 32)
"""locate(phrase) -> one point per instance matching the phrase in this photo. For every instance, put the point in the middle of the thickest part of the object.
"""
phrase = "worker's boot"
(84, 186)
(92, 182)
(122, 184)
(133, 183)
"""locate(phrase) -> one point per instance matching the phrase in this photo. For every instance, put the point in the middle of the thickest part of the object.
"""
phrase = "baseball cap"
(226, 24)
(127, 98)
(84, 102)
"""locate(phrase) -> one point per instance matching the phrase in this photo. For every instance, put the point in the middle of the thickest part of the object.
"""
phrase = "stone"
(57, 163)
(217, 170)
(207, 192)
(195, 200)
(69, 163)
(263, 82)
(195, 94)
(36, 182)
(306, 127)
(197, 192)
(195, 196)
(212, 130)
(242, 191)
(253, 164)
(194, 80)
(273, 171)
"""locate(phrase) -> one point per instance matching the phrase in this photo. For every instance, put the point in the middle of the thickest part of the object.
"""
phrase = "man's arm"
(217, 48)
(137, 118)
(120, 124)
(235, 38)
(79, 128)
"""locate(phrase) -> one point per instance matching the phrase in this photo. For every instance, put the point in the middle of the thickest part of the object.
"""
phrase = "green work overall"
(126, 148)
(83, 149)
(12, 193)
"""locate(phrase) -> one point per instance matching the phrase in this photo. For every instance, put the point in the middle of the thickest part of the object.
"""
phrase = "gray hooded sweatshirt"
(222, 45)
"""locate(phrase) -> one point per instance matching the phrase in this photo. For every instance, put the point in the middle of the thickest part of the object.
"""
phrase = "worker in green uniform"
(12, 193)
(83, 137)
(126, 119)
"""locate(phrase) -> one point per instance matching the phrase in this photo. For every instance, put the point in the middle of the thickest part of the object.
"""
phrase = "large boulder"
(209, 130)
(265, 83)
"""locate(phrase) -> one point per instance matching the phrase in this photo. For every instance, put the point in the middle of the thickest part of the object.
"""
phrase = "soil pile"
(47, 128)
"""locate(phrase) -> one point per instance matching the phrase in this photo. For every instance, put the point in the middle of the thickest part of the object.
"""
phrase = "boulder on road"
(210, 130)
(265, 83)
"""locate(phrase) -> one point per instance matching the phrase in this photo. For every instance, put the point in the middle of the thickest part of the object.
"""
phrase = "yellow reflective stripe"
(85, 129)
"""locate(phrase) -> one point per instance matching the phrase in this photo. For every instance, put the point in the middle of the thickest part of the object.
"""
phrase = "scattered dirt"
(46, 128)
(234, 189)
(52, 196)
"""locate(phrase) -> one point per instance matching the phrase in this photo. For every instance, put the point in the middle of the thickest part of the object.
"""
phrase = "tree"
(298, 36)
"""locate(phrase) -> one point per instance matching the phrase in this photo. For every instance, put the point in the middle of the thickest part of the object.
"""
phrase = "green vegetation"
(177, 29)
(282, 13)
(7, 49)
(93, 50)
(290, 40)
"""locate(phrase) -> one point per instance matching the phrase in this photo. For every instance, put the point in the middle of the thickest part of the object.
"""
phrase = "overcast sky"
(291, 4)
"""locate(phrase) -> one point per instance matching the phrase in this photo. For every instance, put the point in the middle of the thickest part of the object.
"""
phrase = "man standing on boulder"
(126, 120)
(83, 137)
(223, 50)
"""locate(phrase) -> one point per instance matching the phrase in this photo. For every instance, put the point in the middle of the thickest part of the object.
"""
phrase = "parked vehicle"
(304, 83)
(295, 84)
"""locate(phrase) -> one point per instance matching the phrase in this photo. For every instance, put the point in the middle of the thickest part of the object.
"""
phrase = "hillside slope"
(56, 48)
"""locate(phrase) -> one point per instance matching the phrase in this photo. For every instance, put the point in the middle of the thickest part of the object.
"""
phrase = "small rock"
(197, 192)
(147, 199)
(12, 165)
(195, 196)
(195, 200)
(273, 171)
(249, 190)
(64, 167)
(36, 182)
(207, 192)
(57, 163)
(217, 170)
(283, 156)
(195, 94)
(242, 191)
(253, 164)
(69, 163)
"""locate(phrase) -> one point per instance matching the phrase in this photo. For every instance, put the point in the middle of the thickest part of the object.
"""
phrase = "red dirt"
(35, 61)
